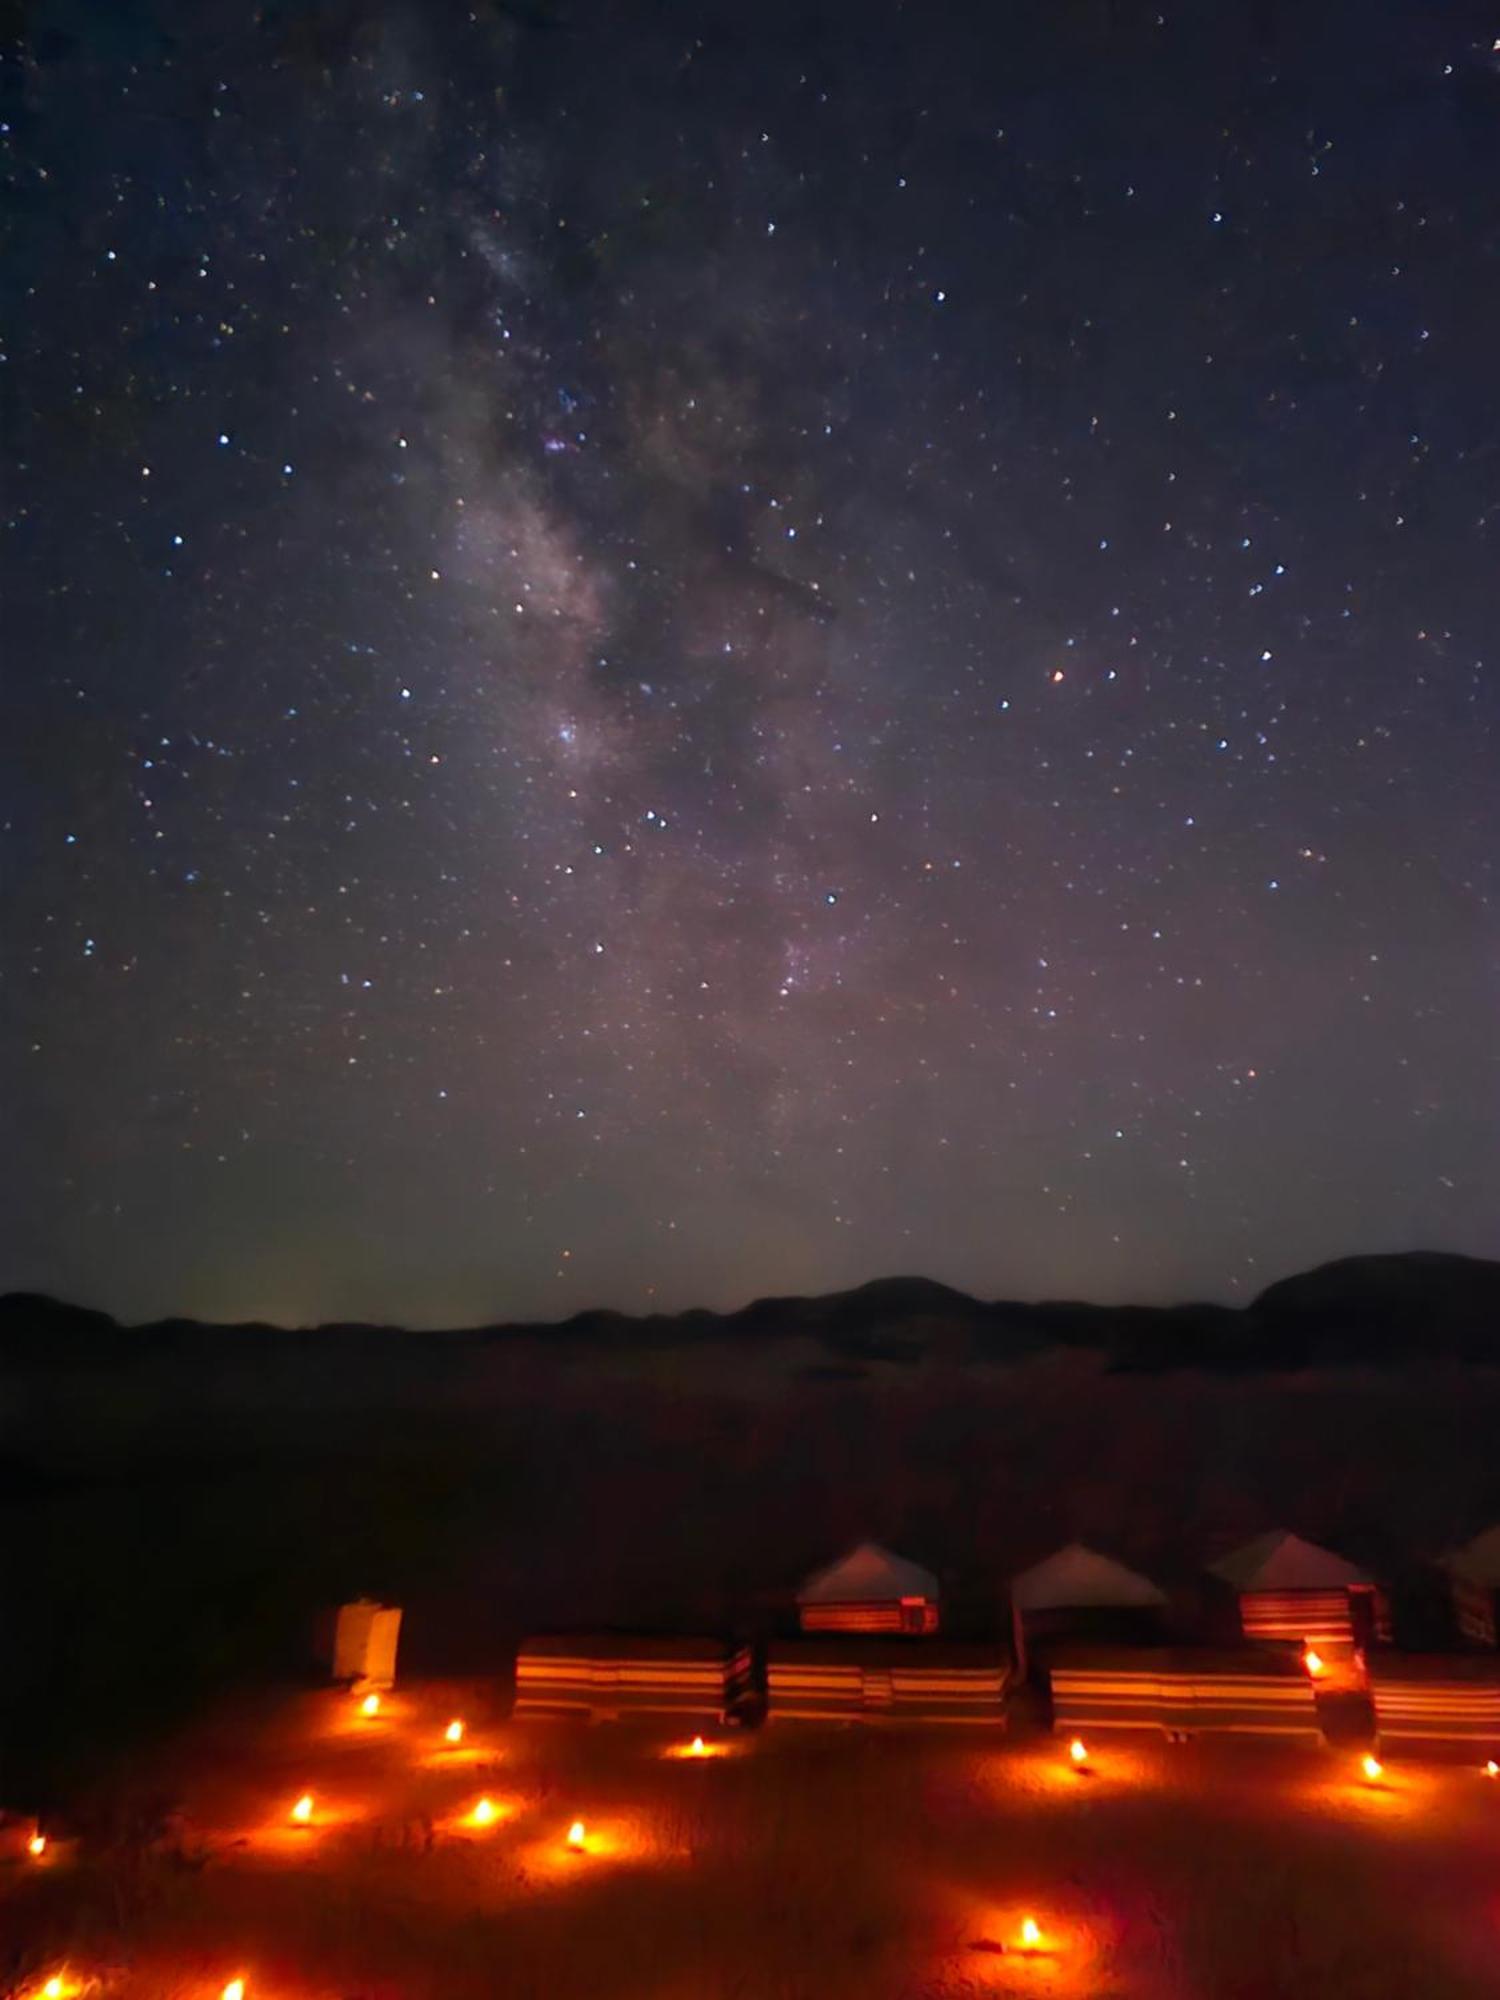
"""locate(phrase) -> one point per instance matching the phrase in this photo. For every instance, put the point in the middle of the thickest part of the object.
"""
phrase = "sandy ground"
(797, 1863)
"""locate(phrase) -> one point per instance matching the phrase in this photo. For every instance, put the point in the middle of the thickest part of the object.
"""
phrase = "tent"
(1292, 1590)
(869, 1590)
(1474, 1580)
(885, 1680)
(1187, 1691)
(602, 1676)
(1078, 1593)
(1437, 1705)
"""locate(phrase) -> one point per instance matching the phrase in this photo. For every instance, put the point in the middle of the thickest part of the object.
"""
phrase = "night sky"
(657, 653)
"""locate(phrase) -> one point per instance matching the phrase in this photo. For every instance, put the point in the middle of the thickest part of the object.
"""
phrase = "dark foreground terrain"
(792, 1864)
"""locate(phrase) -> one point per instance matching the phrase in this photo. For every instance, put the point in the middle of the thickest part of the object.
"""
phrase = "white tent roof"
(1278, 1561)
(867, 1574)
(1479, 1560)
(1077, 1578)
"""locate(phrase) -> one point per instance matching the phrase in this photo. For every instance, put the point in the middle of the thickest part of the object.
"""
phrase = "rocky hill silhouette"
(1370, 1310)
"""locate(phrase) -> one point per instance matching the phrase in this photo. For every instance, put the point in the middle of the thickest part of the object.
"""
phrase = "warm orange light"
(484, 1813)
(235, 1990)
(37, 1845)
(55, 1988)
(1372, 1768)
(1077, 1751)
(696, 1748)
(454, 1733)
(1031, 1934)
(370, 1705)
(1312, 1659)
(576, 1834)
(302, 1811)
(1492, 1769)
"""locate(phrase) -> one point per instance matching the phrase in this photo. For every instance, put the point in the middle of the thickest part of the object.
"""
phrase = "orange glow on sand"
(1078, 1751)
(1492, 1769)
(302, 1812)
(483, 1813)
(554, 1858)
(36, 1847)
(454, 1733)
(1031, 1934)
(58, 1987)
(1372, 1767)
(697, 1751)
(370, 1705)
(235, 1990)
(1312, 1659)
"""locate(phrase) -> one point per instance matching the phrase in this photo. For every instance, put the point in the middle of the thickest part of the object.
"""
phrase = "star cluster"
(663, 653)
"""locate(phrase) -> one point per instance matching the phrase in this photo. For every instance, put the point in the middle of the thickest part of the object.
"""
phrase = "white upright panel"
(364, 1643)
(380, 1656)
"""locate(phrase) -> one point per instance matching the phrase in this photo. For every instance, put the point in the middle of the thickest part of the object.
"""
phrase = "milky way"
(662, 653)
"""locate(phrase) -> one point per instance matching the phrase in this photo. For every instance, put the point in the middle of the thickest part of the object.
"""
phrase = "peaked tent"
(1077, 1592)
(1292, 1590)
(1474, 1580)
(869, 1590)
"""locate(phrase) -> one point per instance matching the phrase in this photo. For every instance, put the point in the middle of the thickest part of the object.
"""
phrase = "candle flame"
(235, 1990)
(1031, 1933)
(484, 1813)
(370, 1705)
(302, 1811)
(1372, 1768)
(1077, 1751)
(576, 1834)
(1492, 1769)
(1312, 1659)
(454, 1733)
(37, 1845)
(695, 1748)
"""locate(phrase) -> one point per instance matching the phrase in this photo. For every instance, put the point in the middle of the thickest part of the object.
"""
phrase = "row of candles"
(1370, 1764)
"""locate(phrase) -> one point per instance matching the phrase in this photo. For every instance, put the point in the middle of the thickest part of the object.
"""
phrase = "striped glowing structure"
(1182, 1692)
(886, 1680)
(1436, 1705)
(598, 1677)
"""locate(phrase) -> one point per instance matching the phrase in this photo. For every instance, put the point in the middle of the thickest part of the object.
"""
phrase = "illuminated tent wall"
(1437, 1705)
(869, 1590)
(601, 1676)
(1290, 1590)
(358, 1643)
(1474, 1581)
(1079, 1594)
(1182, 1692)
(859, 1679)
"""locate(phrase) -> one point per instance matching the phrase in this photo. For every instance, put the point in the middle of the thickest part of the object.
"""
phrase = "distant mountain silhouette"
(1419, 1305)
(1386, 1308)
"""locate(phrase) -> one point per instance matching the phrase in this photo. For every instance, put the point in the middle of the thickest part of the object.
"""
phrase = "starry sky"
(661, 652)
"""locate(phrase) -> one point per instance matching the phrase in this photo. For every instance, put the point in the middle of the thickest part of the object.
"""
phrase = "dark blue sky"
(656, 653)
